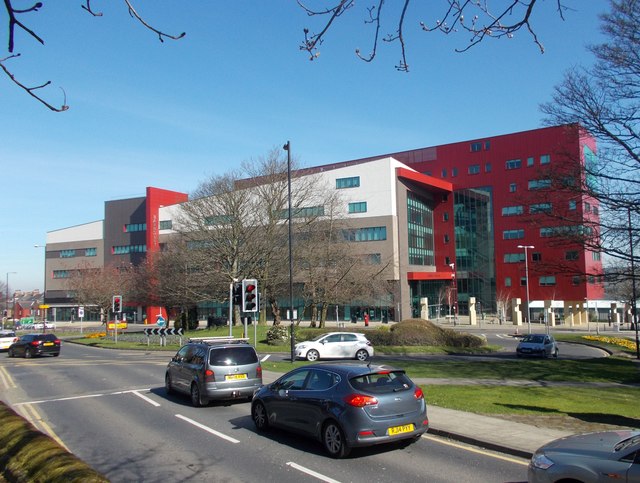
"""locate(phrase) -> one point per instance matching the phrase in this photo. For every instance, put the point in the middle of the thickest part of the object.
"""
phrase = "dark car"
(214, 368)
(30, 345)
(542, 345)
(602, 456)
(344, 405)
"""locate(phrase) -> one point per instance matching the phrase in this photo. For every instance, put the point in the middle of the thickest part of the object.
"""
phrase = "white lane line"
(207, 429)
(71, 398)
(436, 439)
(145, 398)
(265, 357)
(309, 472)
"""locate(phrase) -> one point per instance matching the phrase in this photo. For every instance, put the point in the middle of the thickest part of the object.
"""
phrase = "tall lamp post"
(454, 287)
(6, 307)
(526, 281)
(287, 148)
(44, 288)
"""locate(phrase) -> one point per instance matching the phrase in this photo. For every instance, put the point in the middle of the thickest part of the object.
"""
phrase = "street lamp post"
(526, 281)
(6, 307)
(287, 148)
(44, 288)
(454, 287)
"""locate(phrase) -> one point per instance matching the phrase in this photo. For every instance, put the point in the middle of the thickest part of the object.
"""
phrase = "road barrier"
(163, 332)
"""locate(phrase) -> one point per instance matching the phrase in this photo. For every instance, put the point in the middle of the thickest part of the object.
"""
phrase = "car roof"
(353, 368)
(336, 333)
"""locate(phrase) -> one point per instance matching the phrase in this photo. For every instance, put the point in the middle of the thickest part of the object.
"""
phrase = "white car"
(334, 345)
(45, 325)
(6, 339)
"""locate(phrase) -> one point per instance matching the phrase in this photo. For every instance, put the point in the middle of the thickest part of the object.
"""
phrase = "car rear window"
(382, 382)
(233, 356)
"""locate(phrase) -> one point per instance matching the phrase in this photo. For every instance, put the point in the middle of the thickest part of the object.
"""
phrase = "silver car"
(344, 405)
(541, 345)
(214, 368)
(592, 457)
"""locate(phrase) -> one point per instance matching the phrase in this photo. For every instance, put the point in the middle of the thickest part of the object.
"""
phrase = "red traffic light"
(249, 295)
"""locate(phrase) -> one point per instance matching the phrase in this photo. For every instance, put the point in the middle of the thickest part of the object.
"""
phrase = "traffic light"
(237, 293)
(116, 304)
(250, 295)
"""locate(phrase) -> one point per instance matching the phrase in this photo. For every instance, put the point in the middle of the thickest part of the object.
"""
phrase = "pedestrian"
(366, 319)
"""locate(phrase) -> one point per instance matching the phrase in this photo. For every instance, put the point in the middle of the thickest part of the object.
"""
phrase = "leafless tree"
(604, 100)
(476, 19)
(15, 16)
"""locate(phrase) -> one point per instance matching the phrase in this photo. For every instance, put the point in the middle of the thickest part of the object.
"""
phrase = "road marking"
(87, 396)
(6, 379)
(32, 415)
(265, 357)
(208, 429)
(476, 450)
(145, 398)
(309, 472)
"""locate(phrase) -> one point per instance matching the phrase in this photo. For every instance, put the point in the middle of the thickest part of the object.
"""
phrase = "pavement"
(489, 432)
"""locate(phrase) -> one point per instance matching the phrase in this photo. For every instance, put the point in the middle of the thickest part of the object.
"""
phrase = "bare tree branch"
(161, 35)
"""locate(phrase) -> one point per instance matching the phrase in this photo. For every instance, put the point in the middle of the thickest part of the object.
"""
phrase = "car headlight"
(300, 346)
(541, 461)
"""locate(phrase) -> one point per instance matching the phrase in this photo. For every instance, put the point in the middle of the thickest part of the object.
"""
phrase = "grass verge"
(27, 455)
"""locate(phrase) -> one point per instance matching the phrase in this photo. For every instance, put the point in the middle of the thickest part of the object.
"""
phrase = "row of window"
(135, 227)
(517, 163)
(72, 253)
(126, 249)
(569, 255)
(510, 164)
(550, 280)
(550, 231)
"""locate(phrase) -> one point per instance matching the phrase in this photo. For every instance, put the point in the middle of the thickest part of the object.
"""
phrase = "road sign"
(43, 306)
(80, 312)
(160, 322)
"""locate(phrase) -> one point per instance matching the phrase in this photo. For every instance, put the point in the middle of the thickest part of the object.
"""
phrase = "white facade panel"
(87, 231)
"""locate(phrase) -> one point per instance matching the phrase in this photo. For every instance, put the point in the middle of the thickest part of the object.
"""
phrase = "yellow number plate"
(407, 428)
(48, 343)
(235, 377)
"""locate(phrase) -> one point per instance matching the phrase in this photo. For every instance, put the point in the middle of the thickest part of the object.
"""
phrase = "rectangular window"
(358, 207)
(487, 167)
(545, 159)
(571, 255)
(352, 182)
(454, 172)
(446, 238)
(547, 281)
(587, 207)
(512, 188)
(540, 208)
(475, 147)
(126, 249)
(529, 162)
(166, 224)
(536, 256)
(90, 252)
(514, 257)
(133, 227)
(507, 281)
(523, 281)
(487, 145)
(513, 164)
(61, 274)
(444, 172)
(474, 169)
(538, 184)
(575, 280)
(375, 233)
(512, 210)
(512, 234)
(67, 253)
(445, 216)
(595, 256)
(572, 205)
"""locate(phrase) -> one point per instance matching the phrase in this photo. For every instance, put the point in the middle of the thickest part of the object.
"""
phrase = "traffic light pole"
(292, 336)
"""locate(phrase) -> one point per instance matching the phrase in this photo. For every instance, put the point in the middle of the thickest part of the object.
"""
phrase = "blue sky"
(144, 113)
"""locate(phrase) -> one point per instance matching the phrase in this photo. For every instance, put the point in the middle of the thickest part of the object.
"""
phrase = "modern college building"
(465, 213)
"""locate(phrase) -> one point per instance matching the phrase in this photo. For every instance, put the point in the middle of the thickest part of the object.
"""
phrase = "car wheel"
(56, 354)
(555, 353)
(10, 353)
(362, 355)
(196, 396)
(259, 416)
(313, 355)
(167, 384)
(28, 354)
(334, 441)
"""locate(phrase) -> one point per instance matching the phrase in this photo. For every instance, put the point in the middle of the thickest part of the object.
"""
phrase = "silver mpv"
(214, 368)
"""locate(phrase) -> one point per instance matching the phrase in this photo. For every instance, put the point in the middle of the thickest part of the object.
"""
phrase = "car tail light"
(57, 341)
(366, 433)
(209, 376)
(34, 343)
(418, 394)
(360, 400)
(259, 371)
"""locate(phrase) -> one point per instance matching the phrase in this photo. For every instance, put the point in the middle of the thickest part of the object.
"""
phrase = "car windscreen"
(535, 339)
(381, 382)
(232, 356)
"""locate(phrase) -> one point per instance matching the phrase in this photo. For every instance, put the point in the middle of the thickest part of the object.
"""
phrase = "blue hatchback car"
(344, 405)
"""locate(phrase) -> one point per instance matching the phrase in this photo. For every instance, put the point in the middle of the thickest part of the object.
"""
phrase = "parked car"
(543, 345)
(6, 339)
(343, 405)
(44, 325)
(214, 368)
(335, 345)
(591, 457)
(31, 345)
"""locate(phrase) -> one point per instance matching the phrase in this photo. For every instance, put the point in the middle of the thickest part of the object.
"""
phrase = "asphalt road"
(109, 408)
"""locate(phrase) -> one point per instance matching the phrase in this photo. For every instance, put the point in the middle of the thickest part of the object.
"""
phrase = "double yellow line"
(27, 410)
